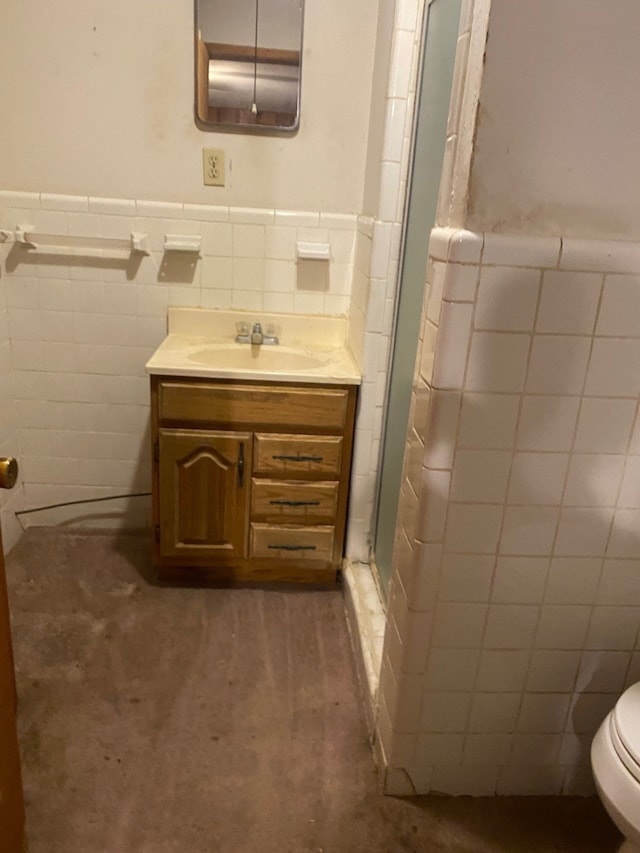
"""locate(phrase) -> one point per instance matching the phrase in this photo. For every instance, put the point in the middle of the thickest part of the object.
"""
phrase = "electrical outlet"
(213, 167)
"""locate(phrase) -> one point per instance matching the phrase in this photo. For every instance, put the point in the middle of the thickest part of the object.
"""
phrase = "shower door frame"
(425, 171)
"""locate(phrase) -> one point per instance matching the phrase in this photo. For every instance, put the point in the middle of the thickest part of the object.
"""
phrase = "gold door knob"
(8, 472)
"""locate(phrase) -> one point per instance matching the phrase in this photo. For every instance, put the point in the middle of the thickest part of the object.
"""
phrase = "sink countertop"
(311, 349)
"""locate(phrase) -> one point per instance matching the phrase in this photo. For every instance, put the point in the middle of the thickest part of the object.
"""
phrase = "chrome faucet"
(256, 336)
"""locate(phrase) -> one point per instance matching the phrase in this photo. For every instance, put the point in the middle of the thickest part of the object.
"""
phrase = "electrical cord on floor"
(84, 501)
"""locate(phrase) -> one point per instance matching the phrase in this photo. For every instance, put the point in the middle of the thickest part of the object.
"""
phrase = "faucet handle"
(242, 328)
(271, 335)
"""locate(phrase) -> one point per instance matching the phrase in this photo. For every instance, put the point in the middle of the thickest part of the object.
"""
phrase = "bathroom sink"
(245, 357)
(200, 343)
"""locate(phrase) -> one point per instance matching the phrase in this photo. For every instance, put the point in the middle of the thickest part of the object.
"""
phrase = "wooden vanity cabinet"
(250, 479)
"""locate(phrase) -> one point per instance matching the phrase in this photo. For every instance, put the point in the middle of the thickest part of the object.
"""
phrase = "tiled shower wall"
(514, 612)
(81, 328)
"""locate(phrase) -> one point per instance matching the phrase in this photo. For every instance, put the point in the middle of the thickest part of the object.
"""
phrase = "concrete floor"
(218, 721)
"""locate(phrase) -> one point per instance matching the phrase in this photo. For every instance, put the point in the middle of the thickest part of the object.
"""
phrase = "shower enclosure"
(440, 35)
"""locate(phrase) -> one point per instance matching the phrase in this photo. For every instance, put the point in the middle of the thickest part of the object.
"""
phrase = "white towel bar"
(75, 245)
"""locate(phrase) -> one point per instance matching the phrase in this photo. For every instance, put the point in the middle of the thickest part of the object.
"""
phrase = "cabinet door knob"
(8, 472)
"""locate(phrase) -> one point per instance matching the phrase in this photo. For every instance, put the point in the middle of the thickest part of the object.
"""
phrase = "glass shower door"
(430, 132)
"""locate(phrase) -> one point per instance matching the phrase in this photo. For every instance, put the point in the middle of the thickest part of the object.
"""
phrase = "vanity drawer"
(297, 455)
(228, 405)
(292, 543)
(279, 500)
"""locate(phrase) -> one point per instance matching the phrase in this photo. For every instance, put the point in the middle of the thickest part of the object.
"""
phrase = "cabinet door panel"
(204, 493)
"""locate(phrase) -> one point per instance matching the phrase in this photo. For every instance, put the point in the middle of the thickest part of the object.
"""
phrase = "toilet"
(615, 761)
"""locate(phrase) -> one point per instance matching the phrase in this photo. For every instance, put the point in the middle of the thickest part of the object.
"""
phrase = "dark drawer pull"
(292, 547)
(241, 465)
(295, 503)
(284, 458)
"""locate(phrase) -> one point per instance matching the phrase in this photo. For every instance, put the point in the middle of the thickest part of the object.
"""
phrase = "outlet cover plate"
(214, 167)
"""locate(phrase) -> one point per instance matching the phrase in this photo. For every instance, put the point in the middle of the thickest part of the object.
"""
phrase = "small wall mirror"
(248, 63)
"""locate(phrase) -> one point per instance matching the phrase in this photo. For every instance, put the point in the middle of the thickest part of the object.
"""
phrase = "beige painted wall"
(552, 65)
(97, 99)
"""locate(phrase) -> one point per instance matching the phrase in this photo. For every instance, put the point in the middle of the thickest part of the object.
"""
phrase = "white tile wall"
(533, 523)
(76, 330)
(507, 298)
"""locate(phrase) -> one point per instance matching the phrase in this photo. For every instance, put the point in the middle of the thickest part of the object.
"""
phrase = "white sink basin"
(200, 343)
(246, 357)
